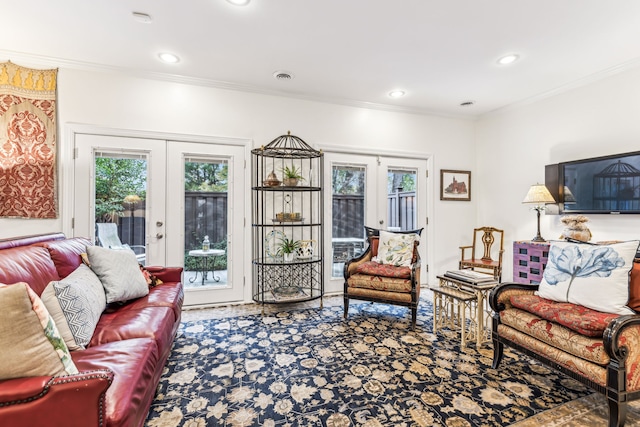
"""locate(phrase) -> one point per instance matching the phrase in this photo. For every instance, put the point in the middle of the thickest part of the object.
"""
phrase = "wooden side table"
(529, 261)
(452, 299)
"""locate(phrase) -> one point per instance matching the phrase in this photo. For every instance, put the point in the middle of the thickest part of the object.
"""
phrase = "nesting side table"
(452, 299)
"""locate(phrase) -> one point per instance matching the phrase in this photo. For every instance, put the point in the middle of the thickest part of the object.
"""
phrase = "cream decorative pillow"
(30, 342)
(395, 249)
(119, 273)
(594, 276)
(76, 303)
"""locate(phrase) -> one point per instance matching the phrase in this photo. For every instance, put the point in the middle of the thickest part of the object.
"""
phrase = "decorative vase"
(288, 257)
(305, 249)
(290, 182)
(272, 180)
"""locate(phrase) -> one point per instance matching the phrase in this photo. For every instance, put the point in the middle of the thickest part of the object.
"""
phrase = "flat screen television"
(607, 185)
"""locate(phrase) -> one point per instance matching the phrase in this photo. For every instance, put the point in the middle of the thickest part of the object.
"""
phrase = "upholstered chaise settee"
(601, 349)
(117, 371)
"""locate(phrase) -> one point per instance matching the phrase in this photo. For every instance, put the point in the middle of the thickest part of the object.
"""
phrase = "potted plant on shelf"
(287, 248)
(291, 176)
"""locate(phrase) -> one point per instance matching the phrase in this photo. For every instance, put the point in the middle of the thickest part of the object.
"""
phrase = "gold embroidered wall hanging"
(28, 187)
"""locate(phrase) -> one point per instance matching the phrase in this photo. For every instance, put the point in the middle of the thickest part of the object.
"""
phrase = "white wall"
(513, 147)
(122, 102)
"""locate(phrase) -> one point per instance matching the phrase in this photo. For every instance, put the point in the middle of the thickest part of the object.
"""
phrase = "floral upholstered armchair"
(387, 272)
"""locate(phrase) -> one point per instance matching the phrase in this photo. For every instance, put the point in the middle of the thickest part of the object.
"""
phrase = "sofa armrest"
(68, 400)
(621, 341)
(500, 295)
(166, 274)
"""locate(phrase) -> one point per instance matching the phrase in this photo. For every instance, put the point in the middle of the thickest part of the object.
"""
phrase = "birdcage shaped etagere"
(287, 221)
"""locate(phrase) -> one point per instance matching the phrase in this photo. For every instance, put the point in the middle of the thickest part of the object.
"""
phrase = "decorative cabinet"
(529, 261)
(287, 222)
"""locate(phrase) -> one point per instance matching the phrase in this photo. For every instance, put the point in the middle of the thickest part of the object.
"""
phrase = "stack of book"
(469, 276)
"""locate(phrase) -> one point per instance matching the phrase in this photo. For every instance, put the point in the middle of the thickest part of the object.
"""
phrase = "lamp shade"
(539, 194)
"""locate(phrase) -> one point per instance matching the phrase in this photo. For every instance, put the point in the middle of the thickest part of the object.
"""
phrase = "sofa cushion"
(595, 276)
(30, 264)
(134, 363)
(119, 273)
(376, 269)
(169, 294)
(395, 249)
(66, 253)
(30, 342)
(76, 303)
(558, 336)
(387, 284)
(581, 366)
(150, 322)
(578, 318)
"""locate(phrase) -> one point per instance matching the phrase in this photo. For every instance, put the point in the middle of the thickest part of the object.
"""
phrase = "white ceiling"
(441, 52)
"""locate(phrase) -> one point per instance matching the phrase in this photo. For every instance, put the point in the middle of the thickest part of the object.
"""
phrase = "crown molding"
(575, 84)
(54, 62)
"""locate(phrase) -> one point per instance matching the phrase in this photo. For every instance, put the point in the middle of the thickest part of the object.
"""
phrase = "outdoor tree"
(117, 178)
(206, 176)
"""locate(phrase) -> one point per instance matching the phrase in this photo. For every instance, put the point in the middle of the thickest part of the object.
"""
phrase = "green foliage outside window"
(115, 179)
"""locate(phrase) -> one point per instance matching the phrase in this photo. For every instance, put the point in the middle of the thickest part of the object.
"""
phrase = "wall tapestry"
(28, 187)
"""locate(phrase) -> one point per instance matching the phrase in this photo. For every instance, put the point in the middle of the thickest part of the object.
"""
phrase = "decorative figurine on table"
(575, 228)
(205, 244)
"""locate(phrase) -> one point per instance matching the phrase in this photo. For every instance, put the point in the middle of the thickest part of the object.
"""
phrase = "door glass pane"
(348, 201)
(120, 201)
(401, 200)
(206, 185)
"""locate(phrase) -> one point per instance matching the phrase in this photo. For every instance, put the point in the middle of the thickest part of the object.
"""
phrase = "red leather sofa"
(120, 368)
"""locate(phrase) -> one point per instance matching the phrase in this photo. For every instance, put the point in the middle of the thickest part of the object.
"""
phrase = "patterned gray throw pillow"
(76, 303)
(119, 273)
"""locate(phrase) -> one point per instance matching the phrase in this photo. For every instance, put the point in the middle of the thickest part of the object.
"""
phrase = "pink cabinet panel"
(529, 261)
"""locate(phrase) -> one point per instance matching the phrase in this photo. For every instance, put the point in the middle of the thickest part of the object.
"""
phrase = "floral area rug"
(311, 367)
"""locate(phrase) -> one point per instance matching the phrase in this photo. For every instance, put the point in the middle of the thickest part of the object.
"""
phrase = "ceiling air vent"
(282, 75)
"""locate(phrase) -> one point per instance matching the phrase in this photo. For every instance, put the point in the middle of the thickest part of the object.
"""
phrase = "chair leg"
(498, 350)
(414, 315)
(617, 413)
(346, 306)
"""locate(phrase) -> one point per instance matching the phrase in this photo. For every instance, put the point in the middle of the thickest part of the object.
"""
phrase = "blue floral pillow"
(594, 276)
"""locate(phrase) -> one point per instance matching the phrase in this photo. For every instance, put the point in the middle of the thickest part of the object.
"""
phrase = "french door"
(373, 191)
(164, 198)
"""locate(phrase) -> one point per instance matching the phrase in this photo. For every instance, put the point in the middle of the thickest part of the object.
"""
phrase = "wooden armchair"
(485, 263)
(368, 280)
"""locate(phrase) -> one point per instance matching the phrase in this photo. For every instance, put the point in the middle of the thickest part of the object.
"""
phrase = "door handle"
(159, 235)
(159, 223)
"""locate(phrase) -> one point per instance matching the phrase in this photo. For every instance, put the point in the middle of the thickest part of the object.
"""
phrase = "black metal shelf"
(302, 279)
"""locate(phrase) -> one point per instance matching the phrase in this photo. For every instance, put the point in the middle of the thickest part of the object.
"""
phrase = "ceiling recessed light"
(396, 93)
(467, 103)
(169, 58)
(283, 75)
(142, 17)
(508, 59)
(239, 2)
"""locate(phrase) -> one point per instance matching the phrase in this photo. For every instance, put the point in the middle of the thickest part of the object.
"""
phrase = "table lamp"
(539, 195)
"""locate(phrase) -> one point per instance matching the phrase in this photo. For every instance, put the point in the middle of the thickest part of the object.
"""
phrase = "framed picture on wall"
(455, 185)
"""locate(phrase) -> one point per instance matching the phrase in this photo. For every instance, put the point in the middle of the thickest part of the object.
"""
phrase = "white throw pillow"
(594, 276)
(76, 303)
(119, 273)
(395, 248)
